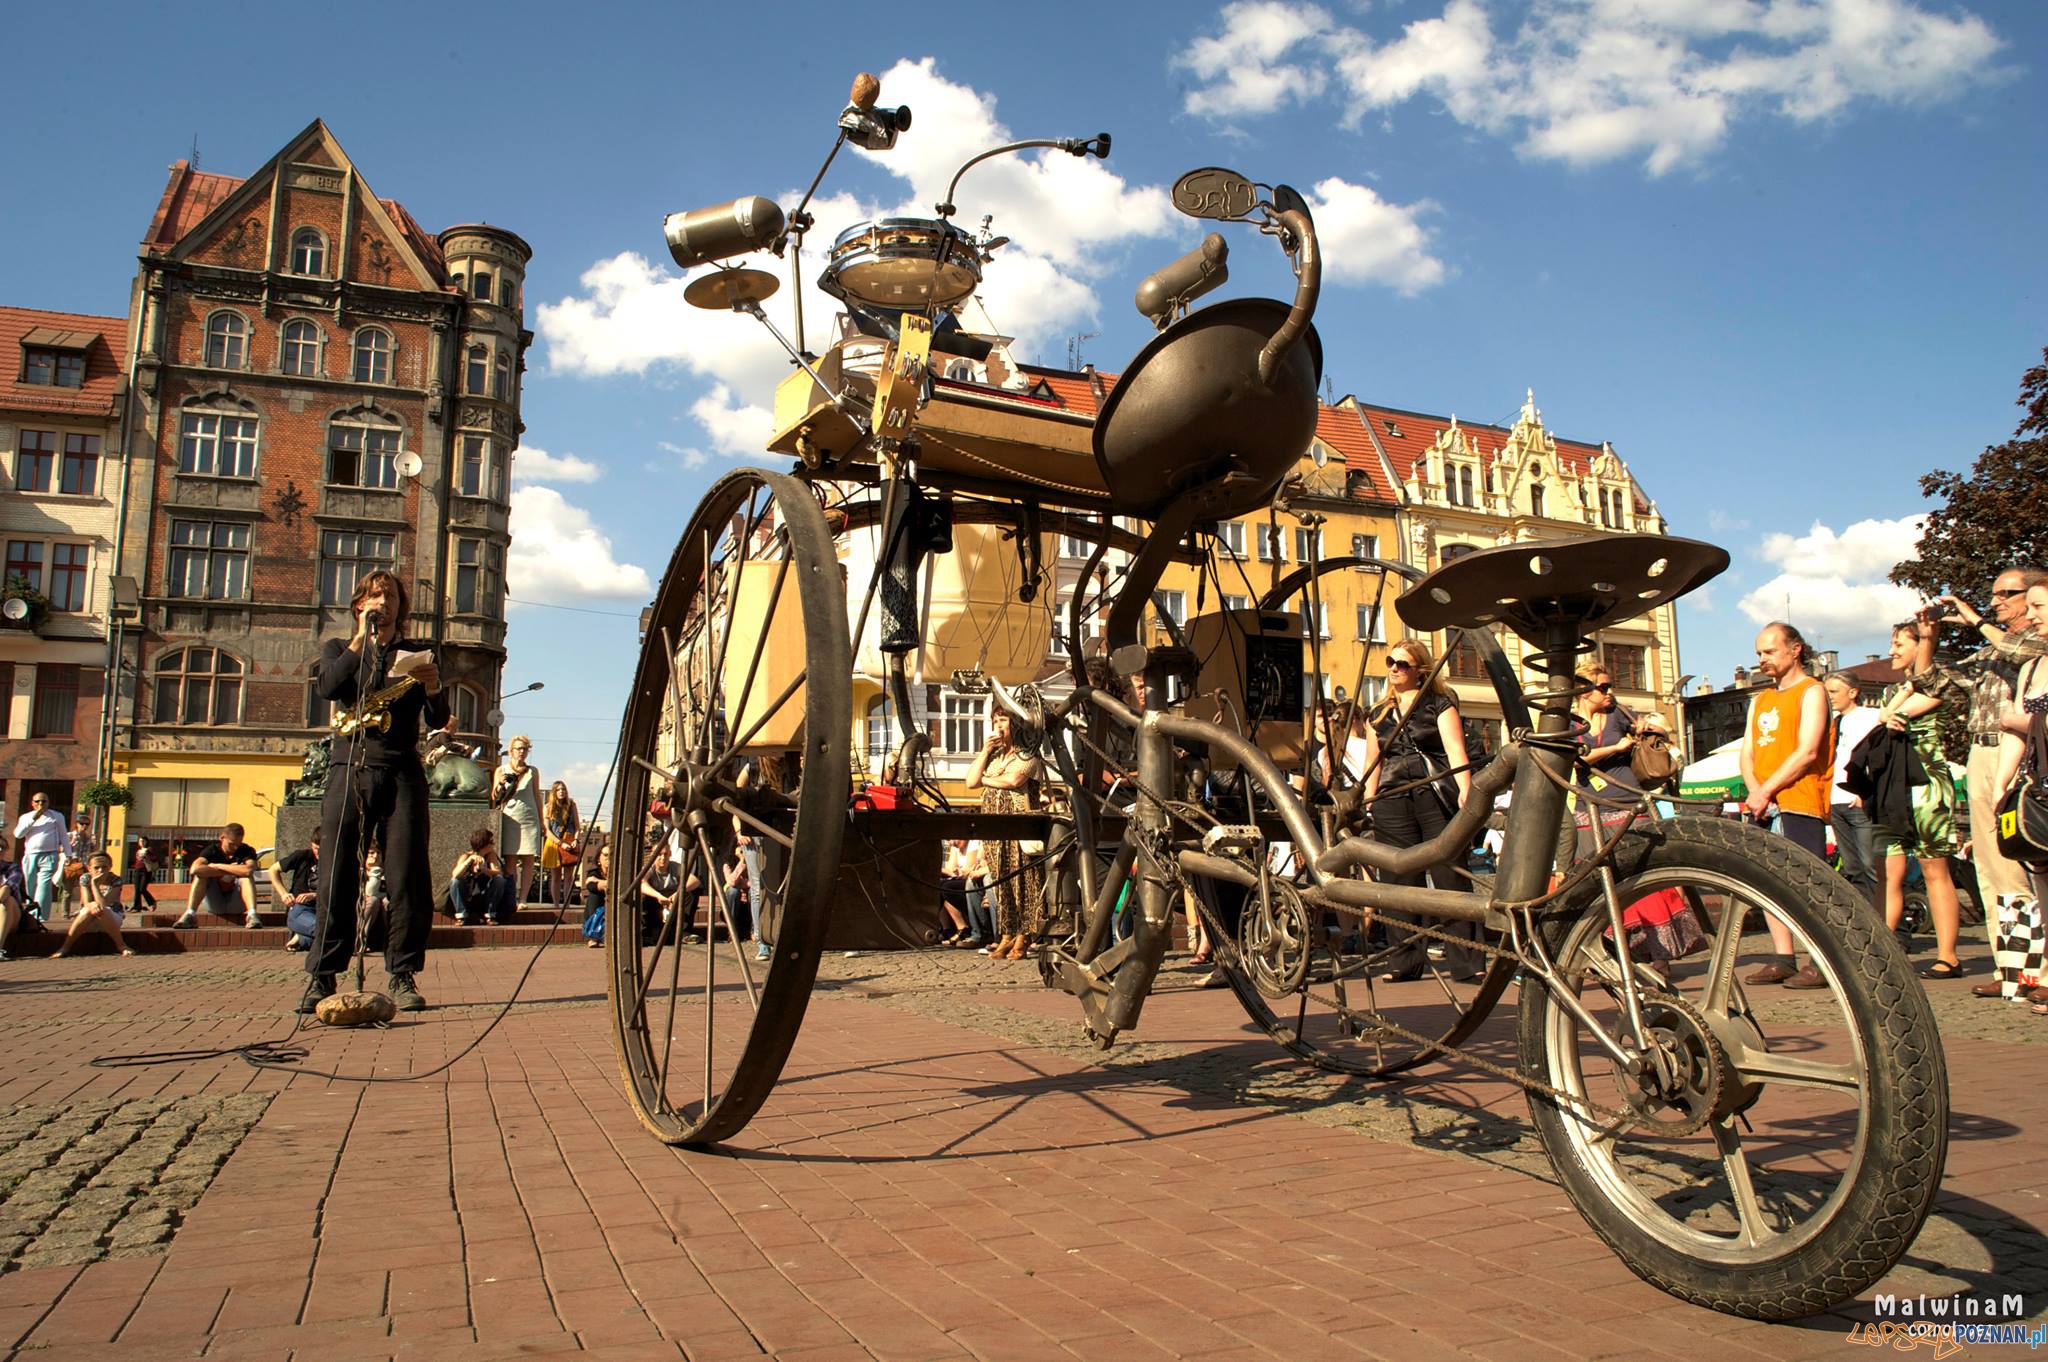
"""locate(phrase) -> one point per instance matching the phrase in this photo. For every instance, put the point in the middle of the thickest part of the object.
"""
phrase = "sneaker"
(321, 986)
(190, 919)
(761, 951)
(402, 991)
(1806, 977)
(252, 921)
(1773, 973)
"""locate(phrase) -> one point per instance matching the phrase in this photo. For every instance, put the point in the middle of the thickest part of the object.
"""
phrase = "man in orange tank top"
(1788, 763)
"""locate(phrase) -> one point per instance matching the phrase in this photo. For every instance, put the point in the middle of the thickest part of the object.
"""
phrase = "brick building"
(323, 389)
(62, 394)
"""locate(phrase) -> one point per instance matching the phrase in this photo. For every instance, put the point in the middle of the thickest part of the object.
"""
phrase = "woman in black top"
(1415, 733)
(376, 792)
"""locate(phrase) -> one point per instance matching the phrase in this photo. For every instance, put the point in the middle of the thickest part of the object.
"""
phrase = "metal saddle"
(1592, 582)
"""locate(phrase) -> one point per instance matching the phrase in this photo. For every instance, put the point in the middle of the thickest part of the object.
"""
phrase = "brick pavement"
(945, 1172)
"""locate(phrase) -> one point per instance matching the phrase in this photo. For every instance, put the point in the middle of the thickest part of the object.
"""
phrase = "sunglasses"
(2008, 595)
(1605, 688)
(1397, 665)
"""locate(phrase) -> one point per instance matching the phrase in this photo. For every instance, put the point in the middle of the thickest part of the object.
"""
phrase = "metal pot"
(1191, 412)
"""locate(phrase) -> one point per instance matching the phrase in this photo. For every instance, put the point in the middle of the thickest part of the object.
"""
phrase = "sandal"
(2039, 1009)
(1200, 958)
(1943, 969)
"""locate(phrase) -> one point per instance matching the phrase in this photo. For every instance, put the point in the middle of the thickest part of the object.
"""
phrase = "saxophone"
(374, 714)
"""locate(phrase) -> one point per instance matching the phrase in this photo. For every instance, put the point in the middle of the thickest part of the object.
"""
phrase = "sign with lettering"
(1213, 192)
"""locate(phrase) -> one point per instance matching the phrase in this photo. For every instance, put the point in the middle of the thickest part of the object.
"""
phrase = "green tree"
(1992, 518)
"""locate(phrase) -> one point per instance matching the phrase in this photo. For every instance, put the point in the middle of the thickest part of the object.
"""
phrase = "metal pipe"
(1446, 845)
(1529, 848)
(1363, 894)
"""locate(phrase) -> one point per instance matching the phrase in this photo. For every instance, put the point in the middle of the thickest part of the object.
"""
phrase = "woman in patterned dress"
(1910, 707)
(1007, 774)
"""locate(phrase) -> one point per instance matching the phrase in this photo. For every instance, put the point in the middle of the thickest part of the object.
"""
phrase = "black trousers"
(387, 805)
(1408, 820)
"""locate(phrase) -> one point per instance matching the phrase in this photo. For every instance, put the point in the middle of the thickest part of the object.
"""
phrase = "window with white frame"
(468, 704)
(880, 732)
(1272, 544)
(476, 378)
(966, 722)
(1235, 602)
(501, 378)
(198, 686)
(309, 253)
(1365, 546)
(363, 453)
(1314, 686)
(373, 355)
(473, 466)
(216, 444)
(298, 352)
(1308, 545)
(227, 341)
(1073, 547)
(1230, 537)
(209, 559)
(479, 574)
(1323, 618)
(347, 556)
(1372, 623)
(1171, 604)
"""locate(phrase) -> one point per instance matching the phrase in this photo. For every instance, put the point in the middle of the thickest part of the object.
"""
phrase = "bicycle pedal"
(1231, 837)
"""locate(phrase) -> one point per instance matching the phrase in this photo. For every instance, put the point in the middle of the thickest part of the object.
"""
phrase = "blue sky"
(1784, 254)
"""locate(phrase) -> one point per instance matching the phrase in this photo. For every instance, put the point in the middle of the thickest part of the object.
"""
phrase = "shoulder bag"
(2023, 812)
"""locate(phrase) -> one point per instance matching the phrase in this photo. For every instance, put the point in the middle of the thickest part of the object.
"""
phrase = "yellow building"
(1466, 487)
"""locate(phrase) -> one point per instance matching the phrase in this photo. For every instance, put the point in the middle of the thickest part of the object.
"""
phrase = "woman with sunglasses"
(1416, 736)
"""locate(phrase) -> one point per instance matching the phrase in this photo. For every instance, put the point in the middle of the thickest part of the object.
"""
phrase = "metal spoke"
(795, 684)
(1763, 1066)
(675, 968)
(761, 644)
(772, 833)
(1736, 1164)
(1721, 958)
(732, 934)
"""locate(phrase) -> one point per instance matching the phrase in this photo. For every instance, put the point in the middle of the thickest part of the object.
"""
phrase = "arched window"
(362, 450)
(469, 708)
(299, 350)
(198, 686)
(506, 292)
(227, 341)
(480, 284)
(217, 437)
(881, 734)
(501, 384)
(1536, 500)
(373, 355)
(309, 252)
(477, 381)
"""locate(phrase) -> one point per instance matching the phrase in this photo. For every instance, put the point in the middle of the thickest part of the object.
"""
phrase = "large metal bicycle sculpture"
(1765, 1171)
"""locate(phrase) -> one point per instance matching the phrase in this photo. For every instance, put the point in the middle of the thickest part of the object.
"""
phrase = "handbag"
(2023, 812)
(1652, 761)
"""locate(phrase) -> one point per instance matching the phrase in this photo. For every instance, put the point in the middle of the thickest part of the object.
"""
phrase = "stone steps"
(151, 933)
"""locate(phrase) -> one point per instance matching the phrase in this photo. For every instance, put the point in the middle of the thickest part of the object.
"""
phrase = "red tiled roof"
(103, 362)
(1408, 435)
(1342, 429)
(190, 195)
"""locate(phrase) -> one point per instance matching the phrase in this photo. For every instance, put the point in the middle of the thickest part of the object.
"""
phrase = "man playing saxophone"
(377, 790)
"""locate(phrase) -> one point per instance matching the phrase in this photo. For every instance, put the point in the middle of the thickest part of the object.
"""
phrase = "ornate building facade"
(322, 389)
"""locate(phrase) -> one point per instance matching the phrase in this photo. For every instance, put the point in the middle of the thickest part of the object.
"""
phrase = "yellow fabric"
(1774, 737)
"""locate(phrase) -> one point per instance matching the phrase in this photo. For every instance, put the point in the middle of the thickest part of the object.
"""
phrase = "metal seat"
(1593, 581)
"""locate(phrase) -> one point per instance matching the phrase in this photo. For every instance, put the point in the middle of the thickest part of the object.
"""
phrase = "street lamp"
(497, 714)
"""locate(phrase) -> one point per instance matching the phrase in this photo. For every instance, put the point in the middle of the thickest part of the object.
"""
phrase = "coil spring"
(1561, 685)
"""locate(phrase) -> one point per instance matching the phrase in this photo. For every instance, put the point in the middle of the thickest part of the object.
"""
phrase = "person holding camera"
(515, 788)
(478, 889)
(377, 792)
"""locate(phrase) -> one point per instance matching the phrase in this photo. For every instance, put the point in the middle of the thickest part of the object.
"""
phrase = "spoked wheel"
(1778, 1151)
(1312, 979)
(746, 655)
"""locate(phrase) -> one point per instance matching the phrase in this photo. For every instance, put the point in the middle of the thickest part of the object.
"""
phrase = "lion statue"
(452, 773)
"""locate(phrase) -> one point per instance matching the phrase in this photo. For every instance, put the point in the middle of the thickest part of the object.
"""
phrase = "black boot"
(404, 993)
(320, 986)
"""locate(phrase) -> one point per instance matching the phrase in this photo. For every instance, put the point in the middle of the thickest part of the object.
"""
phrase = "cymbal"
(721, 290)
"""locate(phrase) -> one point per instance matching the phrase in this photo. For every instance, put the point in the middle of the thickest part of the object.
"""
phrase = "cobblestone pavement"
(947, 1170)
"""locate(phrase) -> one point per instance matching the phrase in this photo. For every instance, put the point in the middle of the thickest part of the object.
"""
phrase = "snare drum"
(905, 263)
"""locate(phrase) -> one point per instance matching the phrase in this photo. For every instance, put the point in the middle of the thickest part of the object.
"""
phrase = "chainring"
(1688, 1077)
(1273, 937)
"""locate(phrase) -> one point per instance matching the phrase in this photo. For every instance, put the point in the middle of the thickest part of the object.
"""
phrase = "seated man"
(478, 886)
(13, 894)
(223, 877)
(296, 882)
(101, 910)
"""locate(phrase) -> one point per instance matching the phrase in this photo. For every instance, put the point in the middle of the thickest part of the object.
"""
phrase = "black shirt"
(213, 855)
(1402, 738)
(336, 679)
(1617, 768)
(302, 871)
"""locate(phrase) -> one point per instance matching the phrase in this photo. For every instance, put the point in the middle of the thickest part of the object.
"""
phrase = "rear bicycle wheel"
(746, 655)
(1777, 1154)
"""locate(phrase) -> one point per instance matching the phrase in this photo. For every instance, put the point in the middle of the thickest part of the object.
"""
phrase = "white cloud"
(559, 556)
(1240, 67)
(1365, 239)
(530, 463)
(741, 429)
(1832, 583)
(1589, 81)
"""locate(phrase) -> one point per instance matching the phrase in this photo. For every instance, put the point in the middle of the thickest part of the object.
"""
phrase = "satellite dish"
(409, 464)
(495, 718)
(15, 609)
